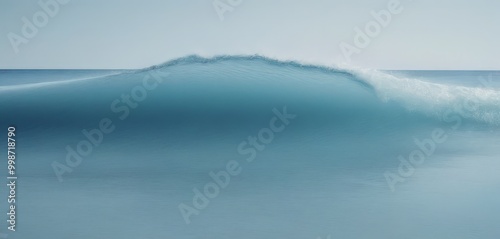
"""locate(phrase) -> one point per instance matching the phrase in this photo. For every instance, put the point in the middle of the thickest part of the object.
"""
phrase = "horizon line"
(125, 69)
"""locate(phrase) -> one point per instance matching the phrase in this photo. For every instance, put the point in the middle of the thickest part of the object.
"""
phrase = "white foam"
(51, 83)
(482, 104)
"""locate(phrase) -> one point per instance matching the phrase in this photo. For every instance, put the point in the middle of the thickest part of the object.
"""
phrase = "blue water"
(325, 173)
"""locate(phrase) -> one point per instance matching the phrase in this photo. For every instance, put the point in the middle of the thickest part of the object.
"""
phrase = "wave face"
(398, 155)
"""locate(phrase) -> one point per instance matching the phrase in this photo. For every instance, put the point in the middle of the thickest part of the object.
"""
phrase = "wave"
(435, 100)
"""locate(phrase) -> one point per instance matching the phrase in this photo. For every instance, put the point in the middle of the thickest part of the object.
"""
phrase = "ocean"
(252, 147)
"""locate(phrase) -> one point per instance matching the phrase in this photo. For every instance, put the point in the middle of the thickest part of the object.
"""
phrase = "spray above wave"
(435, 99)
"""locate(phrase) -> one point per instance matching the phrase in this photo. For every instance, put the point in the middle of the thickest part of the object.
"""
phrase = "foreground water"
(297, 152)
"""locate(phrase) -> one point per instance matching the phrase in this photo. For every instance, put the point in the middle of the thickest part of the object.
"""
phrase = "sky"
(131, 34)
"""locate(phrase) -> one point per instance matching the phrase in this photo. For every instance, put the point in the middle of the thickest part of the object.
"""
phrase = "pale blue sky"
(428, 34)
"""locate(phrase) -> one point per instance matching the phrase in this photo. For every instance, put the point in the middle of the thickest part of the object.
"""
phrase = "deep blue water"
(322, 171)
